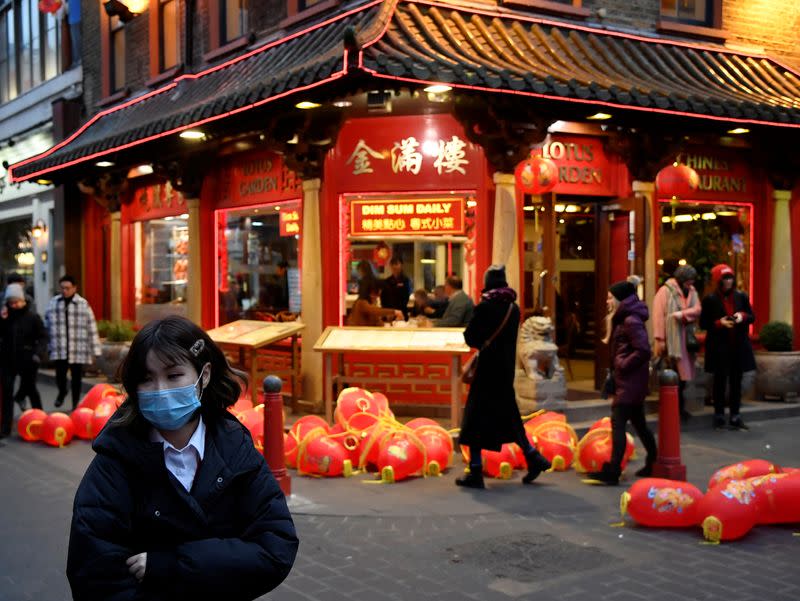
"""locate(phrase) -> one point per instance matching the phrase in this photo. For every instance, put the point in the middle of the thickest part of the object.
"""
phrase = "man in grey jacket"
(459, 309)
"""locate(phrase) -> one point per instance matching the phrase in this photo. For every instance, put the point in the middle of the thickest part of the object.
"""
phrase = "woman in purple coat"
(627, 383)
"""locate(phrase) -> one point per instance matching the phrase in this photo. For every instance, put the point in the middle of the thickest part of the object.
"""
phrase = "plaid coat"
(78, 344)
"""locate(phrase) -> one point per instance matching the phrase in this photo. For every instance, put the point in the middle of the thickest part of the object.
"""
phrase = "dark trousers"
(620, 415)
(76, 370)
(521, 439)
(27, 384)
(727, 377)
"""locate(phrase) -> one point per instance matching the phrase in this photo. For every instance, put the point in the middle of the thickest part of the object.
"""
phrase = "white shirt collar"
(198, 440)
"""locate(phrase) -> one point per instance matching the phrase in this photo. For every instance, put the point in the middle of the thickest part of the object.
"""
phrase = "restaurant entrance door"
(574, 248)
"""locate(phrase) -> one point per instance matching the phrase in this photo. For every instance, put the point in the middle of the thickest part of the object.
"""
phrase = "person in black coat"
(726, 317)
(491, 416)
(23, 341)
(396, 288)
(628, 379)
(177, 503)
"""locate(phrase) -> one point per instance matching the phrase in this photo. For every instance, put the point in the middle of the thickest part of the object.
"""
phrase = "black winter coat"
(630, 352)
(231, 538)
(491, 414)
(730, 348)
(22, 337)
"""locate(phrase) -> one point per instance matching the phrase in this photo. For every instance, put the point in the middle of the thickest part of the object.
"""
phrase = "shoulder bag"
(471, 366)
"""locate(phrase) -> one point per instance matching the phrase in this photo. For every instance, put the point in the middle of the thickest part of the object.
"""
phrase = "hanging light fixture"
(39, 229)
(126, 10)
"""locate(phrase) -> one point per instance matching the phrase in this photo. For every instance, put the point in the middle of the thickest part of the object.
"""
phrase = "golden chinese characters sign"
(421, 216)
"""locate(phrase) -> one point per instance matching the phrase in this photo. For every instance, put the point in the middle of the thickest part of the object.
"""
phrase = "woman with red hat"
(726, 317)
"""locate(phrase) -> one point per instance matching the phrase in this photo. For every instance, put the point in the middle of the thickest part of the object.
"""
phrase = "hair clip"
(197, 347)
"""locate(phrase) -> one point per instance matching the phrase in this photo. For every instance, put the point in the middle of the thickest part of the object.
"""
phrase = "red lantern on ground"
(742, 470)
(97, 393)
(356, 409)
(777, 498)
(240, 406)
(102, 413)
(438, 447)
(401, 456)
(554, 438)
(253, 420)
(536, 175)
(677, 181)
(657, 502)
(297, 433)
(82, 420)
(728, 511)
(30, 423)
(57, 429)
(594, 449)
(321, 455)
(420, 422)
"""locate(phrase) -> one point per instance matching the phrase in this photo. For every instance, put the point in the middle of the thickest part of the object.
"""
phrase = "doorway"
(573, 249)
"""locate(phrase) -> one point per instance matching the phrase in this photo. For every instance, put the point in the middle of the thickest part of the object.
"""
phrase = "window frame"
(296, 11)
(159, 73)
(570, 8)
(113, 30)
(35, 65)
(711, 30)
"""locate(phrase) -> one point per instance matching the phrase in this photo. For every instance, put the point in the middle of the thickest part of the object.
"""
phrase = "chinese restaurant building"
(330, 153)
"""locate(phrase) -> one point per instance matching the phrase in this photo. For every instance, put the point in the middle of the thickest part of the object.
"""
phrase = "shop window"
(258, 275)
(426, 262)
(704, 235)
(299, 10)
(117, 50)
(570, 8)
(168, 34)
(16, 250)
(30, 48)
(696, 12)
(161, 267)
(233, 19)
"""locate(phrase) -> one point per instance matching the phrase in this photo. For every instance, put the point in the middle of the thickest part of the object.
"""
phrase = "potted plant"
(777, 373)
(115, 337)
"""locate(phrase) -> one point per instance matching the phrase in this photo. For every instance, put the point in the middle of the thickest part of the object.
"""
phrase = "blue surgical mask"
(170, 409)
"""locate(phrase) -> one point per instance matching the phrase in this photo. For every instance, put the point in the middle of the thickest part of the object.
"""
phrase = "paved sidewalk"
(426, 539)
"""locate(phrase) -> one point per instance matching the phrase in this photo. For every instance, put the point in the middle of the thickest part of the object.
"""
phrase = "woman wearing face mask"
(177, 503)
(630, 355)
(676, 308)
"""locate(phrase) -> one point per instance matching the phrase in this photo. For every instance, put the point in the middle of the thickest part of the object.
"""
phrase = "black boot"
(536, 465)
(472, 479)
(647, 470)
(607, 475)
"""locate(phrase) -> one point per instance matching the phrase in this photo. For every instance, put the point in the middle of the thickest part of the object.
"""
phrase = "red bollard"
(668, 465)
(273, 432)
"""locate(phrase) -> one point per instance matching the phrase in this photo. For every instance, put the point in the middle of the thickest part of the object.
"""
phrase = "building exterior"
(39, 82)
(242, 159)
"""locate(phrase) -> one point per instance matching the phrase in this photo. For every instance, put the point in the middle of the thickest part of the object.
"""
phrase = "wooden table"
(248, 336)
(335, 341)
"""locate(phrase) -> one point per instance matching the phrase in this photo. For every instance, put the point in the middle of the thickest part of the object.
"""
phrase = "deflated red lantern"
(777, 498)
(742, 470)
(30, 423)
(657, 502)
(82, 420)
(677, 181)
(728, 511)
(554, 438)
(536, 175)
(57, 429)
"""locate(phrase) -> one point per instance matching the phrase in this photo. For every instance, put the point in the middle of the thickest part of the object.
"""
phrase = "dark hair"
(67, 278)
(368, 288)
(455, 282)
(175, 339)
(284, 264)
(396, 260)
(15, 278)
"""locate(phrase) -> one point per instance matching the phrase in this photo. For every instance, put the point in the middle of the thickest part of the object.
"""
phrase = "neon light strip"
(582, 101)
(602, 32)
(176, 81)
(61, 166)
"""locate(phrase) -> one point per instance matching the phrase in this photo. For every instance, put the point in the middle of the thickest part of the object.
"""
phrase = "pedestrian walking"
(676, 309)
(628, 378)
(177, 502)
(23, 340)
(726, 317)
(396, 289)
(491, 415)
(73, 337)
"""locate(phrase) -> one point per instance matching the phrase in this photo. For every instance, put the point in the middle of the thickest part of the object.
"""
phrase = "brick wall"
(90, 51)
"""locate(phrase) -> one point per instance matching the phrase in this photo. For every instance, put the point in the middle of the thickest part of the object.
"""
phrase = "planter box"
(777, 375)
(111, 355)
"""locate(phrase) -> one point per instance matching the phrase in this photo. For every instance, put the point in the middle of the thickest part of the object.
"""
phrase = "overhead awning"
(492, 50)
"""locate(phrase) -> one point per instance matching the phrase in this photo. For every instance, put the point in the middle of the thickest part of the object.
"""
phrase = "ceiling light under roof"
(599, 117)
(104, 164)
(192, 134)
(739, 130)
(438, 88)
(342, 104)
(307, 104)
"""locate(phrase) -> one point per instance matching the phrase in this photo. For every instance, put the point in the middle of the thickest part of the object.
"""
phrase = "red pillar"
(669, 463)
(273, 432)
